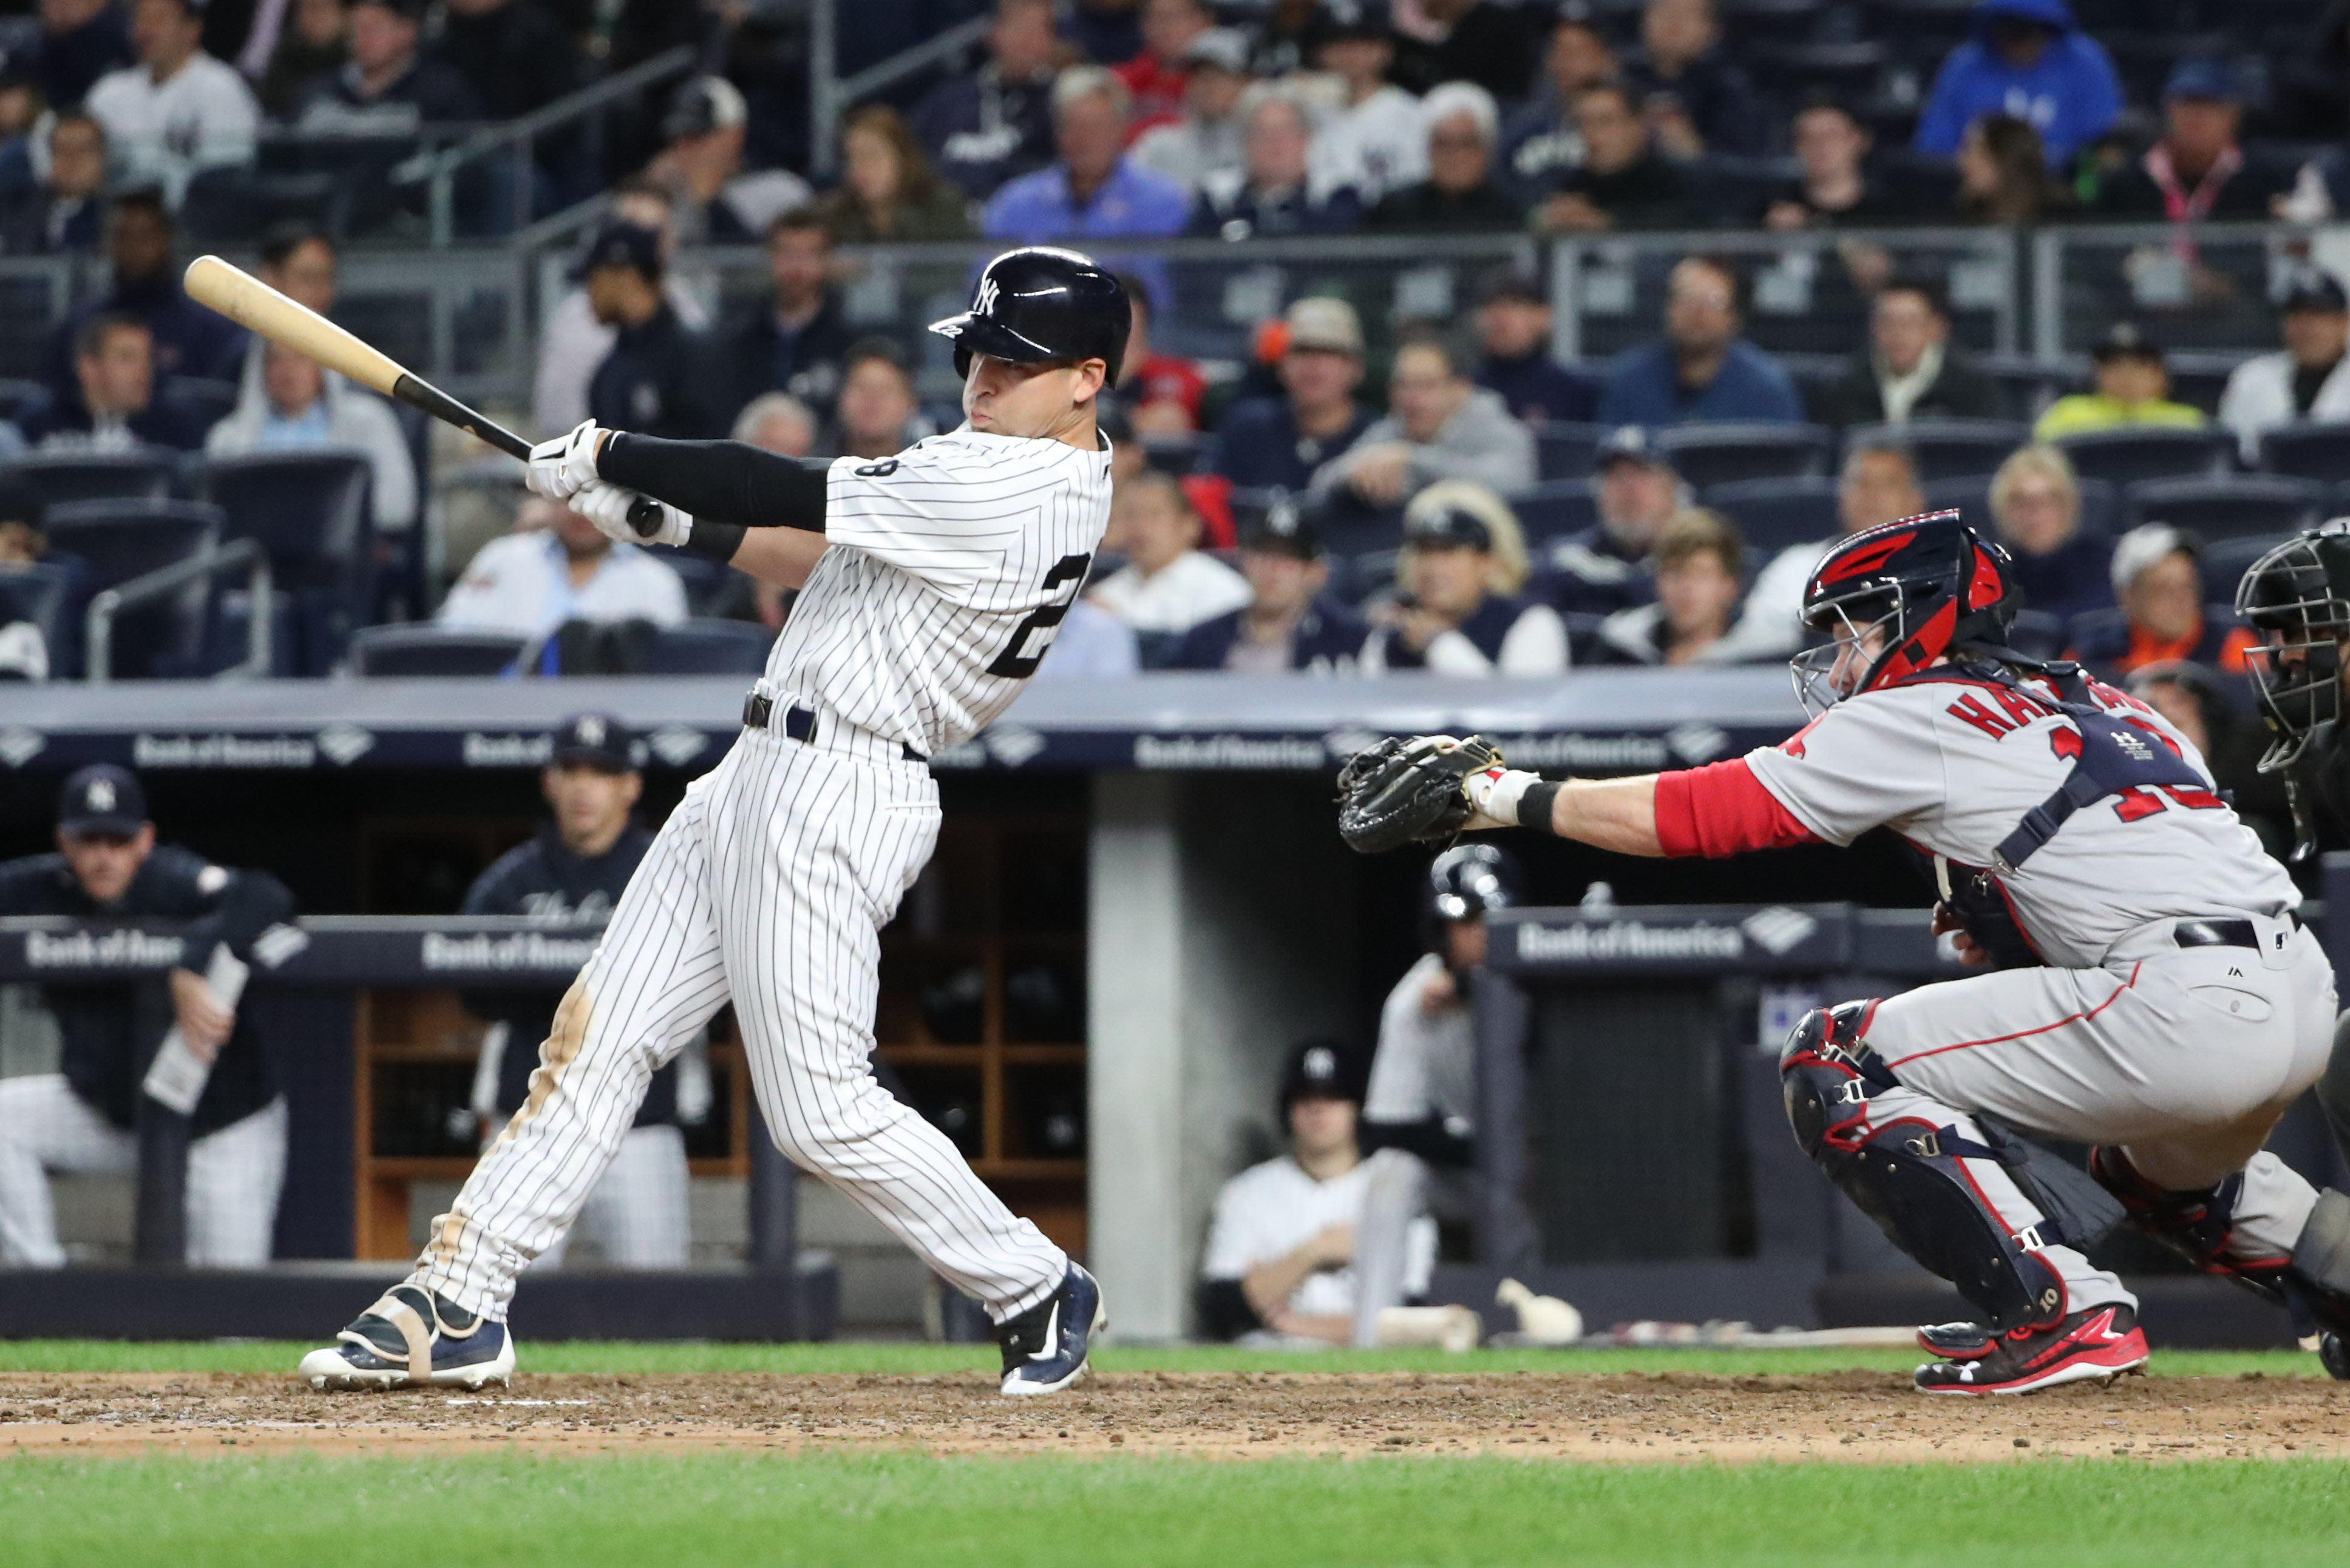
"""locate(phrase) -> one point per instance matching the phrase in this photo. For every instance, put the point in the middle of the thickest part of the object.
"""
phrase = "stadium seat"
(1724, 453)
(116, 540)
(2309, 450)
(428, 649)
(311, 510)
(1750, 22)
(1792, 71)
(44, 594)
(1773, 513)
(63, 477)
(2127, 455)
(709, 648)
(1566, 451)
(2225, 561)
(20, 401)
(231, 203)
(1945, 449)
(2231, 507)
(201, 400)
(1547, 511)
(1968, 494)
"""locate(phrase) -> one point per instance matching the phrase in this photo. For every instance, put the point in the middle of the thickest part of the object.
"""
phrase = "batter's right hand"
(608, 506)
(561, 468)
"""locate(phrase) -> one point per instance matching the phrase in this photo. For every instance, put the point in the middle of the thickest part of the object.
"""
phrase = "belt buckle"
(758, 708)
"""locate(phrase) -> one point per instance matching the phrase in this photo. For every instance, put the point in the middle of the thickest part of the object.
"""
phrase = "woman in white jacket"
(2309, 380)
(1457, 611)
(289, 404)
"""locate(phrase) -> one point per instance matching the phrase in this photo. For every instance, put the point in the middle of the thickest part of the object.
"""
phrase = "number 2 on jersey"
(1016, 662)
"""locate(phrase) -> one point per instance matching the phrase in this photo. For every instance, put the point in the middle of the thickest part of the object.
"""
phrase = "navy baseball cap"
(2313, 288)
(618, 243)
(2207, 80)
(1631, 443)
(101, 799)
(1355, 19)
(596, 740)
(703, 105)
(2125, 341)
(1285, 529)
(1319, 1070)
(1448, 528)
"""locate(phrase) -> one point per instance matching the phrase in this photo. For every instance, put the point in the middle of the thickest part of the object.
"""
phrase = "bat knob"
(645, 516)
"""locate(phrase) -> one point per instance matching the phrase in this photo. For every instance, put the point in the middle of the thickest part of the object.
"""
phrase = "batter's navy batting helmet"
(1042, 302)
(1469, 881)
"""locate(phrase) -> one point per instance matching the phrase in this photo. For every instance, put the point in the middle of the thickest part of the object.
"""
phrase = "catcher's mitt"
(1406, 791)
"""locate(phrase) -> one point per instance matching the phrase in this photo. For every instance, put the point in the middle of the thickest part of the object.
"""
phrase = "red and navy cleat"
(2100, 1343)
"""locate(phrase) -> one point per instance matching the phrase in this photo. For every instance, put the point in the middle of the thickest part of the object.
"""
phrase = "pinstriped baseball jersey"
(951, 567)
(1954, 765)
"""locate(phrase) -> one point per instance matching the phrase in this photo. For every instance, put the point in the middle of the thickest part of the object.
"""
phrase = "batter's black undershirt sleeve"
(722, 481)
(1224, 1310)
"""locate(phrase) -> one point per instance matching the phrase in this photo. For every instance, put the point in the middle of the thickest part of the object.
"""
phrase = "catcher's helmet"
(1928, 585)
(1470, 880)
(2298, 597)
(1040, 302)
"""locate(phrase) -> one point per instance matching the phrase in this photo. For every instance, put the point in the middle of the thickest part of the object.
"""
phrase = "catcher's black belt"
(2221, 933)
(799, 723)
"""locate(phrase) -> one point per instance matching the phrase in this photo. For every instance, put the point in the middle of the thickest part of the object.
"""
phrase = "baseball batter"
(2155, 995)
(931, 583)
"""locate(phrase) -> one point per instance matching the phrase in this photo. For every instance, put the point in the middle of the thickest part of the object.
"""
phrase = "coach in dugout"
(570, 874)
(78, 1119)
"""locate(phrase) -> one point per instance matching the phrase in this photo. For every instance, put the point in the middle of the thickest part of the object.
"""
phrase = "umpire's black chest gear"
(545, 882)
(109, 1031)
(660, 379)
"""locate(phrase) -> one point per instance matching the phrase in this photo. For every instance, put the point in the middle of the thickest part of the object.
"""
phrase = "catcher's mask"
(1891, 600)
(2297, 596)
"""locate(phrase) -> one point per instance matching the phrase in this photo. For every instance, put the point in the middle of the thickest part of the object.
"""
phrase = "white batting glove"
(608, 506)
(1493, 797)
(561, 468)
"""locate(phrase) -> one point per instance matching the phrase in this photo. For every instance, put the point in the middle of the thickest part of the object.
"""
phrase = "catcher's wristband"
(1535, 806)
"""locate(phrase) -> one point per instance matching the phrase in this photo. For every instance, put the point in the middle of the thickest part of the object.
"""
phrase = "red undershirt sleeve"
(1723, 809)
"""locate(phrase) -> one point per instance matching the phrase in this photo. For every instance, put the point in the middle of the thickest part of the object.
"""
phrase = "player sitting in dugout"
(1279, 1267)
(78, 1119)
(2155, 994)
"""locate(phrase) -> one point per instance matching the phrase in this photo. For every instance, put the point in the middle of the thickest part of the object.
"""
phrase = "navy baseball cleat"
(2100, 1344)
(408, 1327)
(1044, 1347)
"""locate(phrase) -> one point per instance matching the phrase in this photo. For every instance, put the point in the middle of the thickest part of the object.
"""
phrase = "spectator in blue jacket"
(1268, 443)
(1289, 623)
(1702, 370)
(1514, 328)
(2028, 59)
(997, 122)
(1092, 190)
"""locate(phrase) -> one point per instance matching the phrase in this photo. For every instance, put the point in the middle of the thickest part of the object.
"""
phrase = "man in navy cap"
(661, 377)
(2306, 380)
(2196, 172)
(78, 1119)
(1607, 566)
(1289, 623)
(569, 877)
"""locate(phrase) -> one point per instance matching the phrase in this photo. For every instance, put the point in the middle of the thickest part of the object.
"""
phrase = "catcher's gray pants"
(640, 1214)
(2185, 1057)
(768, 886)
(234, 1174)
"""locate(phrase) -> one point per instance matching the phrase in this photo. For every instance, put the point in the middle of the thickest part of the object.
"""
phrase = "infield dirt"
(1852, 1417)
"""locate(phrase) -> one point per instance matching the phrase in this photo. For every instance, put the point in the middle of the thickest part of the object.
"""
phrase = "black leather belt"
(799, 723)
(2222, 933)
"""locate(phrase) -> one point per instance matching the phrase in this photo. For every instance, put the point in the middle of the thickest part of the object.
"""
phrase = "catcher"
(2152, 991)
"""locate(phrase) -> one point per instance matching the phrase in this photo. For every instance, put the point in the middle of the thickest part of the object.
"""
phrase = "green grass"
(930, 1360)
(512, 1509)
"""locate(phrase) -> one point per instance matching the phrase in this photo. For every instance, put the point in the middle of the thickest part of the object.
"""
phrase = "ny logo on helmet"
(591, 731)
(985, 304)
(101, 794)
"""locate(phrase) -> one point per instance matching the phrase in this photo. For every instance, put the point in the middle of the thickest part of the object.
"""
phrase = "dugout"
(1138, 901)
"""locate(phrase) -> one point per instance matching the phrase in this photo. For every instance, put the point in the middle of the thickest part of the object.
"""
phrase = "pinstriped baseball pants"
(768, 886)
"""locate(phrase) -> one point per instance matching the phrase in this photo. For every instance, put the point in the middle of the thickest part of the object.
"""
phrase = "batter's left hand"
(561, 468)
(203, 1022)
(608, 507)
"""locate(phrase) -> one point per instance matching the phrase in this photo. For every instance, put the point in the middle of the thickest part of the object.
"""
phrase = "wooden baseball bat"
(261, 309)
